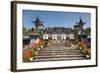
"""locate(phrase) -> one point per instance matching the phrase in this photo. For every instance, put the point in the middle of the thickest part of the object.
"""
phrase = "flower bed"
(87, 52)
(30, 54)
(84, 49)
(81, 45)
(27, 54)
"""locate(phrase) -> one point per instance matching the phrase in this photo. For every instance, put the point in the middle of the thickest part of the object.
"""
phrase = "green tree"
(32, 29)
(88, 30)
(24, 29)
(40, 33)
(29, 30)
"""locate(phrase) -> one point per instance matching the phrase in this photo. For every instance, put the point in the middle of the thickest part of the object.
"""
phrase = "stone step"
(58, 59)
(60, 52)
(48, 54)
(58, 56)
(59, 48)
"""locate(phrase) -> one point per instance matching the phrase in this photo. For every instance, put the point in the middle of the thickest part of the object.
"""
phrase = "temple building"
(55, 33)
(58, 33)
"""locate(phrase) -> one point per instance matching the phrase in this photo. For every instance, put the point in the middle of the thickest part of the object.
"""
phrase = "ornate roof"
(59, 30)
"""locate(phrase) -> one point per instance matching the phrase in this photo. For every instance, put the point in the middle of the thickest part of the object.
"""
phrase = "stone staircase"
(58, 52)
